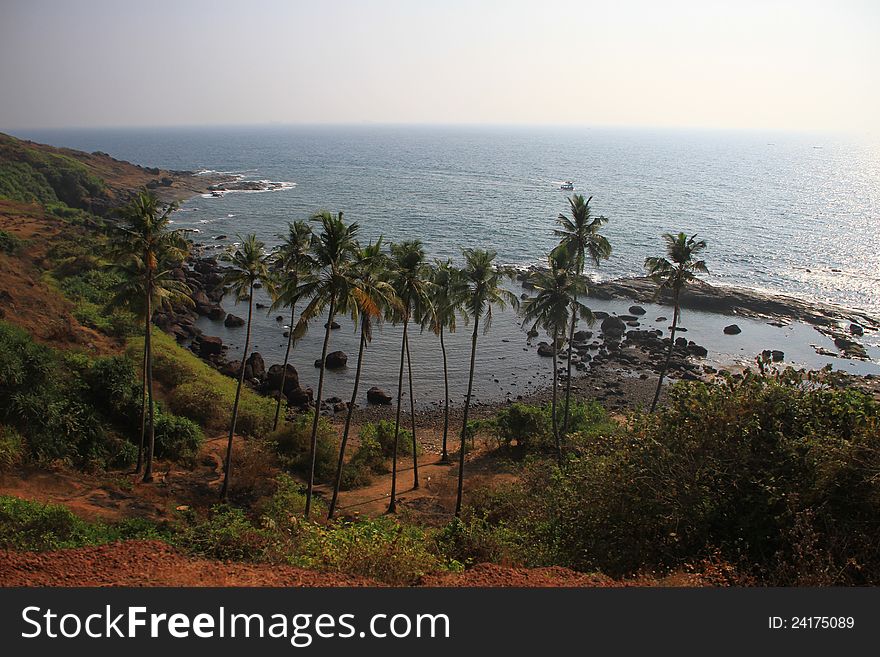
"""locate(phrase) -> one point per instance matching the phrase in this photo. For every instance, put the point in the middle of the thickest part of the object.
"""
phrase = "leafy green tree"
(409, 278)
(249, 265)
(579, 236)
(483, 282)
(551, 308)
(332, 251)
(143, 242)
(447, 296)
(292, 266)
(679, 268)
(368, 300)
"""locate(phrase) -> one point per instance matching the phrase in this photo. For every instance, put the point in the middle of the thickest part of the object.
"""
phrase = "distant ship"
(567, 185)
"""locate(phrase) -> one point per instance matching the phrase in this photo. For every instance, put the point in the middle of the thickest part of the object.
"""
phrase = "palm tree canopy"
(249, 264)
(292, 264)
(143, 233)
(556, 289)
(579, 233)
(409, 275)
(331, 251)
(680, 266)
(482, 279)
(369, 297)
(449, 292)
(131, 293)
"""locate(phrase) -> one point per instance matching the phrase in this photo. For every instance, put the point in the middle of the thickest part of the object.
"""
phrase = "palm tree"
(409, 280)
(249, 264)
(293, 263)
(556, 299)
(167, 292)
(143, 241)
(332, 251)
(673, 273)
(580, 237)
(369, 297)
(446, 298)
(483, 289)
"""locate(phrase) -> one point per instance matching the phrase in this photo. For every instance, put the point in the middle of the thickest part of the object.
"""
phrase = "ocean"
(787, 213)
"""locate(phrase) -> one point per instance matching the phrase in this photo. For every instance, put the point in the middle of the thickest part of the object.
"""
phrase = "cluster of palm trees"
(333, 274)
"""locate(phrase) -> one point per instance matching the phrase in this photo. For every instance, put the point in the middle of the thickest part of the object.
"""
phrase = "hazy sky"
(738, 64)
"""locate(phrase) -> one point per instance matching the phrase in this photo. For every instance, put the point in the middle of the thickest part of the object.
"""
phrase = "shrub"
(368, 459)
(9, 243)
(225, 534)
(11, 448)
(177, 438)
(293, 443)
(382, 432)
(526, 425)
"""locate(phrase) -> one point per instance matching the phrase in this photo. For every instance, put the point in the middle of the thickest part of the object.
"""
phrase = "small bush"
(225, 534)
(177, 438)
(11, 448)
(9, 243)
(293, 443)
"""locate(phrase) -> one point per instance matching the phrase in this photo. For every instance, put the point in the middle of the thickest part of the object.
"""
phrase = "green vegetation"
(199, 392)
(776, 476)
(531, 427)
(9, 243)
(31, 175)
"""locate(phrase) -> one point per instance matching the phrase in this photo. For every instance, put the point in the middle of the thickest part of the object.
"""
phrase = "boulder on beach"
(732, 329)
(233, 321)
(277, 372)
(376, 395)
(545, 349)
(856, 329)
(582, 336)
(210, 345)
(773, 354)
(636, 310)
(660, 319)
(613, 327)
(231, 368)
(216, 312)
(600, 314)
(335, 360)
(333, 326)
(255, 367)
(300, 397)
(697, 350)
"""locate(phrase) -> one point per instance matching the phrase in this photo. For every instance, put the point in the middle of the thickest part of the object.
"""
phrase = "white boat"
(567, 185)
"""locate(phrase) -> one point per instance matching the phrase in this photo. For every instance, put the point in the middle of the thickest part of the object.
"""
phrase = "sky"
(674, 63)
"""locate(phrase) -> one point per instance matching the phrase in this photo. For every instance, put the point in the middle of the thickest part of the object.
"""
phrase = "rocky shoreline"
(621, 357)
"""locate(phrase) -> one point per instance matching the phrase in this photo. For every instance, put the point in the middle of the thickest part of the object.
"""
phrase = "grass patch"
(199, 392)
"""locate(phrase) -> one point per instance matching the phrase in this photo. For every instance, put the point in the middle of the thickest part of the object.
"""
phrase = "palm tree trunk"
(357, 379)
(412, 415)
(140, 459)
(148, 347)
(668, 353)
(568, 370)
(392, 505)
(313, 443)
(224, 491)
(444, 456)
(284, 370)
(467, 406)
(553, 407)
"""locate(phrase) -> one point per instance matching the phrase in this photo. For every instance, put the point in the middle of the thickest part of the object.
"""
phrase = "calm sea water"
(794, 214)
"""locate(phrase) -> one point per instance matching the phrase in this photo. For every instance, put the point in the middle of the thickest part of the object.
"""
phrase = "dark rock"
(582, 336)
(333, 326)
(300, 397)
(732, 329)
(209, 345)
(523, 296)
(335, 360)
(856, 329)
(600, 314)
(216, 312)
(274, 376)
(660, 319)
(681, 342)
(545, 349)
(340, 407)
(279, 318)
(533, 333)
(628, 318)
(613, 327)
(231, 368)
(260, 305)
(255, 367)
(697, 350)
(636, 310)
(233, 321)
(632, 324)
(376, 395)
